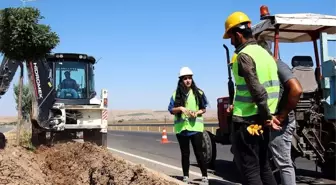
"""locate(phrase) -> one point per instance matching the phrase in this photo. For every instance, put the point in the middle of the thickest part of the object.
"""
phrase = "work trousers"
(251, 156)
(196, 141)
(280, 145)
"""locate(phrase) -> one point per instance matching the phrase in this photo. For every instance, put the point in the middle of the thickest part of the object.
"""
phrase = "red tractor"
(315, 113)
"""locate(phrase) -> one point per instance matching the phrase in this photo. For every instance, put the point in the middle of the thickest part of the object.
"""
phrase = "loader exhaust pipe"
(231, 91)
(230, 82)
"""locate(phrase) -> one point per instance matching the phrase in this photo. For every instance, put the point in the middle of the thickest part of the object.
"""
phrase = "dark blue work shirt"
(69, 83)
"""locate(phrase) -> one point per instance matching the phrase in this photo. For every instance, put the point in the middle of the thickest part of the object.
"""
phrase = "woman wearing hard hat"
(187, 104)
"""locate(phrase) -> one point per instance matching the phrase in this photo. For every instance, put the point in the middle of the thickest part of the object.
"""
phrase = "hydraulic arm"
(43, 93)
(7, 72)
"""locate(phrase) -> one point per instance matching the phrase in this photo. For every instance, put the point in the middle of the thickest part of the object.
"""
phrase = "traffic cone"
(164, 138)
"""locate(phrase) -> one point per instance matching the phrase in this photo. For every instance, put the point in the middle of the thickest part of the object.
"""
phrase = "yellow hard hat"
(233, 20)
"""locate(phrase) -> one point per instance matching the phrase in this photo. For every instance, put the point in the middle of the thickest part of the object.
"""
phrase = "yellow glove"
(255, 130)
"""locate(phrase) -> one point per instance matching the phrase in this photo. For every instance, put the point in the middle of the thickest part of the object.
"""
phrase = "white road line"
(167, 165)
(168, 141)
(118, 135)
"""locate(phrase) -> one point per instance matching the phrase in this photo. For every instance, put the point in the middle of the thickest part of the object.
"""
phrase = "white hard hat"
(185, 71)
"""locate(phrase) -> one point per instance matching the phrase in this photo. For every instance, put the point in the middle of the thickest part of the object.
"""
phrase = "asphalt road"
(6, 128)
(145, 148)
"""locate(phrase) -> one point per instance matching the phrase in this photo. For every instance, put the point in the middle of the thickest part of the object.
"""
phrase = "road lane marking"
(168, 141)
(167, 165)
(118, 135)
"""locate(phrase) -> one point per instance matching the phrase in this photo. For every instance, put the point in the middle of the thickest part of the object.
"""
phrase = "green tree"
(26, 102)
(23, 39)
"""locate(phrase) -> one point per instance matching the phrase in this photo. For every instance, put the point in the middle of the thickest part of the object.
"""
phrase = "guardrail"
(150, 127)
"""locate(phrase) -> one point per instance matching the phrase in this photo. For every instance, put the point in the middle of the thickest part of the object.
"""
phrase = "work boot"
(186, 179)
(204, 181)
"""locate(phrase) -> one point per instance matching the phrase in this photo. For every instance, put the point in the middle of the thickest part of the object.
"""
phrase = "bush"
(26, 103)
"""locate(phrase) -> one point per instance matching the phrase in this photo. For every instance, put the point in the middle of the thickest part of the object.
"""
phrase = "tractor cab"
(73, 78)
(318, 84)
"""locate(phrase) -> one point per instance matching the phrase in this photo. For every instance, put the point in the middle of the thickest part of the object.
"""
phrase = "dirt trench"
(72, 163)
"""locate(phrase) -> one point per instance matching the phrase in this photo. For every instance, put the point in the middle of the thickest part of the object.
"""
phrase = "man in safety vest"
(255, 100)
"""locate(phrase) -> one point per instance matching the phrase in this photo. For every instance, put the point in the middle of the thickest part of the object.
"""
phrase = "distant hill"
(145, 115)
(7, 119)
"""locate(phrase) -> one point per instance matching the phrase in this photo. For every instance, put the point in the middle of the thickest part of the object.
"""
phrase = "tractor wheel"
(95, 136)
(210, 150)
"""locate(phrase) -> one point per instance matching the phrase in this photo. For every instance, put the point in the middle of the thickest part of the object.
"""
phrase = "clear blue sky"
(143, 44)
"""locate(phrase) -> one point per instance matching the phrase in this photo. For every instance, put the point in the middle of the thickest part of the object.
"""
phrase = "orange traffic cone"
(164, 138)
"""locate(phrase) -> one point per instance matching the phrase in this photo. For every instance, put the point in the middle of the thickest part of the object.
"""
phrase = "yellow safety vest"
(267, 72)
(185, 123)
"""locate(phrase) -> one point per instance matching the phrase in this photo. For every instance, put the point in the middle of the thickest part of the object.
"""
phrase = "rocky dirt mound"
(71, 163)
(20, 166)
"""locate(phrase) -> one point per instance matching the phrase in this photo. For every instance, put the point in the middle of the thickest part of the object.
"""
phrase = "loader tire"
(39, 136)
(210, 150)
(96, 137)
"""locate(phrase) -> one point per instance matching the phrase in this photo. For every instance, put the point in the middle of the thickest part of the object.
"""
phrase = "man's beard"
(237, 42)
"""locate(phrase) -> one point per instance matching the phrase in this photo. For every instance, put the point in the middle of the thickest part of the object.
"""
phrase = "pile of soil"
(71, 163)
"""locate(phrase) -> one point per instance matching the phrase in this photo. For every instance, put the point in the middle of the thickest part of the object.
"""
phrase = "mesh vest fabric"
(185, 123)
(267, 73)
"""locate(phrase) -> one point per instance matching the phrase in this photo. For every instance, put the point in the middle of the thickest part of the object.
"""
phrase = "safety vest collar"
(242, 46)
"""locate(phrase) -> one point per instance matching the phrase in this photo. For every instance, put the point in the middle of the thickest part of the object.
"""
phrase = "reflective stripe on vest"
(267, 72)
(185, 123)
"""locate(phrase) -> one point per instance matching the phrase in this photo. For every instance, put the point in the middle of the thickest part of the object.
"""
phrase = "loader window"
(70, 80)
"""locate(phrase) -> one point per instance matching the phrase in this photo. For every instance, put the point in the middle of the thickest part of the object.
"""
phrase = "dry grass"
(10, 136)
(25, 138)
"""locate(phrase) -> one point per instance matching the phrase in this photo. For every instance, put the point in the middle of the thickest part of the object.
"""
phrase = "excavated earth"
(71, 163)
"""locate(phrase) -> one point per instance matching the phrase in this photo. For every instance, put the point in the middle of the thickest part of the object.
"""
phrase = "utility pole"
(25, 1)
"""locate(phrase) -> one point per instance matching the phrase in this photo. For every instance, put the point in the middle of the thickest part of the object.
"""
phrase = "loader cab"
(73, 77)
